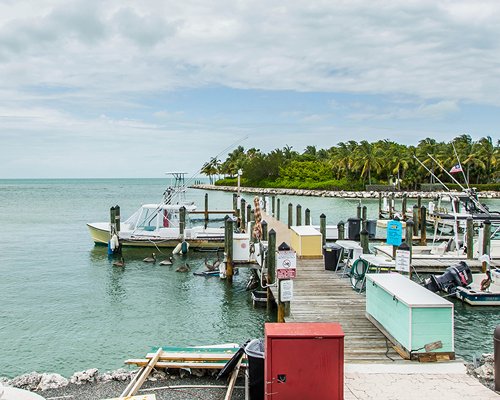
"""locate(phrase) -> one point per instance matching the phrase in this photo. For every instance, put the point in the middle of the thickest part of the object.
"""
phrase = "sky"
(135, 89)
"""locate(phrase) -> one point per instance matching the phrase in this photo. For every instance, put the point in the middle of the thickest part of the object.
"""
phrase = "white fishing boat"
(483, 291)
(163, 224)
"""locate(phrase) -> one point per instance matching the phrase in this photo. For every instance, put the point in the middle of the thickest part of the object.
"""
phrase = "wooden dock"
(323, 296)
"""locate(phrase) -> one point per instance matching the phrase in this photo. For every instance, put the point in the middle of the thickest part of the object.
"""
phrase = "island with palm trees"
(351, 166)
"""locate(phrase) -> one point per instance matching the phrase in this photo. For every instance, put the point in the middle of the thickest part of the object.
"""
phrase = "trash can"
(371, 227)
(255, 354)
(353, 228)
(331, 253)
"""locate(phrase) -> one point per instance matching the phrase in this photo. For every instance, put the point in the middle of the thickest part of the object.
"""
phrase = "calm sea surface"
(64, 308)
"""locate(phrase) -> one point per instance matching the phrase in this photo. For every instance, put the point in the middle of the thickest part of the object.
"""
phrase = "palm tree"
(368, 158)
(489, 155)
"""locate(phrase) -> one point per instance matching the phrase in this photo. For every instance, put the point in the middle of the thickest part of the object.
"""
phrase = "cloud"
(434, 110)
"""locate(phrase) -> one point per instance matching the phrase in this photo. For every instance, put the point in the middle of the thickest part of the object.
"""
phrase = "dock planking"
(323, 296)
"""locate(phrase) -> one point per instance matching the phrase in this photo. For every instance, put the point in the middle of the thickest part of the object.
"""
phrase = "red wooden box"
(304, 361)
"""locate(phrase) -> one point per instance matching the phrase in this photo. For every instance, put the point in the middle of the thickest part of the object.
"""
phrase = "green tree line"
(351, 165)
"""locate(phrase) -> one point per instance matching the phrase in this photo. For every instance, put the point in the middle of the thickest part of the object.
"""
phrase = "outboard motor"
(454, 276)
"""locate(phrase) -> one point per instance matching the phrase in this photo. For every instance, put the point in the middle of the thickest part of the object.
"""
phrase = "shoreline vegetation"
(353, 166)
(373, 194)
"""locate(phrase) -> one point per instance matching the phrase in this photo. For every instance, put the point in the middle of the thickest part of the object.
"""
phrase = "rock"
(120, 375)
(485, 372)
(198, 372)
(157, 375)
(4, 381)
(184, 372)
(82, 377)
(52, 381)
(27, 381)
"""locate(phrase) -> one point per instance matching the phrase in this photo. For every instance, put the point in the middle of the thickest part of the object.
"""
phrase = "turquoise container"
(409, 314)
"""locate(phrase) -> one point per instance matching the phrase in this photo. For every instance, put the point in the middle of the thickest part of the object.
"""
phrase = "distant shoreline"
(338, 194)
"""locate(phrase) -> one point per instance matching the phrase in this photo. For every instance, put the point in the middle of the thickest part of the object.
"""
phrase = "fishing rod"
(432, 173)
(466, 191)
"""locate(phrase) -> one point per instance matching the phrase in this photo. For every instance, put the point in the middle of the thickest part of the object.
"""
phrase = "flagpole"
(445, 170)
(460, 164)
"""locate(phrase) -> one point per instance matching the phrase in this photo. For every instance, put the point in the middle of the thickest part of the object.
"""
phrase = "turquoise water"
(64, 308)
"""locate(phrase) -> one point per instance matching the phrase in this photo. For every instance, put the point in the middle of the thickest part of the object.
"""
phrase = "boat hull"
(100, 236)
(475, 298)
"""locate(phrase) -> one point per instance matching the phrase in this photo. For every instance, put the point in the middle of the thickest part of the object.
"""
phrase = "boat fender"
(177, 249)
(110, 250)
(184, 247)
(115, 243)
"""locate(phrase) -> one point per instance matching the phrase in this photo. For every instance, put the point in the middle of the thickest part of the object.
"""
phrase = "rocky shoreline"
(338, 194)
(483, 370)
(90, 385)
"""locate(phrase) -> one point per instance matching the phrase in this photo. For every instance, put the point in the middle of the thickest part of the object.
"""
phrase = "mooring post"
(112, 221)
(486, 241)
(299, 214)
(117, 218)
(391, 206)
(263, 224)
(363, 218)
(341, 230)
(235, 204)
(271, 265)
(423, 226)
(249, 212)
(278, 209)
(206, 210)
(470, 238)
(273, 205)
(252, 215)
(290, 215)
(182, 220)
(264, 203)
(403, 206)
(358, 211)
(419, 205)
(252, 237)
(364, 241)
(243, 219)
(308, 216)
(380, 205)
(322, 228)
(409, 236)
(228, 244)
(496, 357)
(415, 220)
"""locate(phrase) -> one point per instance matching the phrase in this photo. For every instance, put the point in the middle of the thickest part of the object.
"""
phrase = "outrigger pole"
(432, 173)
(460, 164)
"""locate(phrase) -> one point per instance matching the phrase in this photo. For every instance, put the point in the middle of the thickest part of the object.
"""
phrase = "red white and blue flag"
(456, 169)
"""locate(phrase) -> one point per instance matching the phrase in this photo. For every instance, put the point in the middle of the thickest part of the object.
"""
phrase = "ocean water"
(64, 308)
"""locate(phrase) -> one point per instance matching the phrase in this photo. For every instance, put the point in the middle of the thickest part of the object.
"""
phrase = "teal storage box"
(417, 321)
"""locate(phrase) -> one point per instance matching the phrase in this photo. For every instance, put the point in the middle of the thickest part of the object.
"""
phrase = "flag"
(456, 169)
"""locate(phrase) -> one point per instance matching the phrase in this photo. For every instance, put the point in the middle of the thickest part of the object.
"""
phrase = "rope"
(358, 276)
(257, 229)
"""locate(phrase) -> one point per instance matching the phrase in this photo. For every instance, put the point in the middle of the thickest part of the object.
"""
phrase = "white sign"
(286, 264)
(286, 290)
(403, 260)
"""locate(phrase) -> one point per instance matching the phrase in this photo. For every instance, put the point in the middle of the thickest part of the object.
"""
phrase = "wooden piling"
(341, 230)
(403, 206)
(486, 241)
(263, 224)
(364, 213)
(228, 246)
(206, 210)
(235, 204)
(299, 214)
(391, 206)
(252, 215)
(380, 215)
(419, 205)
(117, 218)
(271, 257)
(273, 205)
(249, 212)
(423, 226)
(416, 220)
(409, 236)
(182, 220)
(364, 241)
(322, 228)
(112, 220)
(278, 209)
(358, 211)
(470, 238)
(308, 216)
(290, 215)
(243, 219)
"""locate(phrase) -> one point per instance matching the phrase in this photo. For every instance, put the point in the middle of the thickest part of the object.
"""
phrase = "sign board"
(403, 260)
(394, 232)
(286, 264)
(286, 290)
